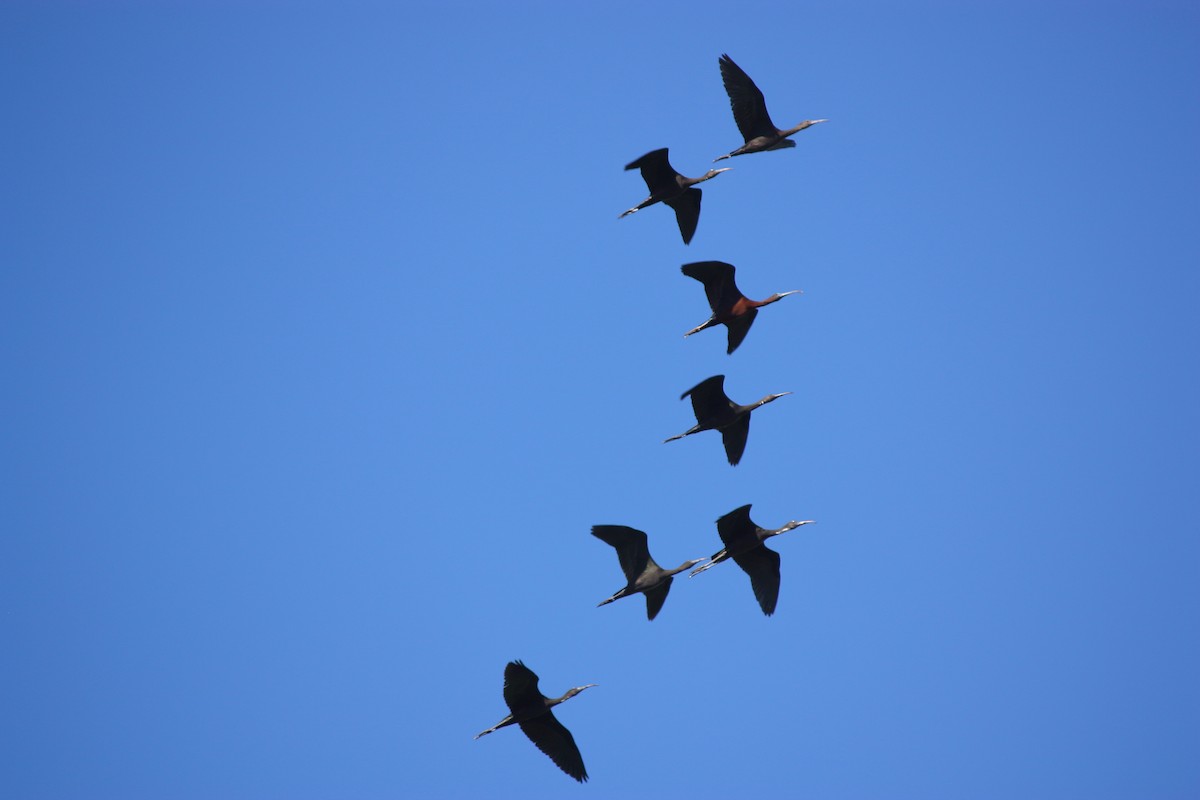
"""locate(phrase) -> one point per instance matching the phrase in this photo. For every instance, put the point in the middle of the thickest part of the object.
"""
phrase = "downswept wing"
(687, 212)
(734, 438)
(762, 565)
(656, 597)
(553, 739)
(738, 327)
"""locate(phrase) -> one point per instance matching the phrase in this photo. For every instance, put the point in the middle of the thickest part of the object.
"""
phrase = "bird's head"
(808, 123)
(772, 397)
(779, 296)
(712, 173)
(572, 692)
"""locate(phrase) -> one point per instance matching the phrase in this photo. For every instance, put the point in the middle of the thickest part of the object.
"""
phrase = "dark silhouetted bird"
(716, 412)
(729, 306)
(668, 186)
(750, 114)
(642, 574)
(531, 710)
(744, 543)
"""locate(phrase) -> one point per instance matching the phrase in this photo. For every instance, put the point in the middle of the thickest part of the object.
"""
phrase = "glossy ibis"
(716, 412)
(729, 306)
(668, 186)
(744, 544)
(531, 710)
(750, 113)
(640, 570)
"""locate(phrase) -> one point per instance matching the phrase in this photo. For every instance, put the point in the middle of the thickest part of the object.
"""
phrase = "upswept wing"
(633, 549)
(736, 528)
(520, 686)
(719, 285)
(657, 171)
(749, 106)
(709, 400)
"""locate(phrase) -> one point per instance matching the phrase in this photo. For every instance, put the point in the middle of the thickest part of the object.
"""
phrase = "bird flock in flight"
(743, 540)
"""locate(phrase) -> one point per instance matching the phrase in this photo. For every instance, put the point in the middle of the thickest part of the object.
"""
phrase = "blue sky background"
(323, 348)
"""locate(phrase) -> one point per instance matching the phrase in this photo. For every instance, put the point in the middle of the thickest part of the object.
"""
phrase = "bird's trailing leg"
(711, 322)
(506, 721)
(638, 207)
(616, 596)
(688, 432)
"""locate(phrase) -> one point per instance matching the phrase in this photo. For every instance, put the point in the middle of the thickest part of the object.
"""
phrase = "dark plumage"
(744, 543)
(531, 710)
(642, 574)
(729, 306)
(668, 186)
(750, 113)
(715, 411)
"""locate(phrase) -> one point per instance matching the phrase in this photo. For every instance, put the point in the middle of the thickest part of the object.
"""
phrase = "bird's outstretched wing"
(735, 527)
(719, 286)
(656, 169)
(708, 398)
(738, 327)
(633, 549)
(749, 106)
(687, 212)
(553, 739)
(734, 437)
(520, 685)
(762, 565)
(656, 597)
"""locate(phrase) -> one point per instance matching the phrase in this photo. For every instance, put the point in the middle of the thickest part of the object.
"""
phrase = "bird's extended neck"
(778, 296)
(571, 693)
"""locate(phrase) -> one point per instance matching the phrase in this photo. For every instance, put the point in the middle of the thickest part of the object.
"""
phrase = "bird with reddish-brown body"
(729, 306)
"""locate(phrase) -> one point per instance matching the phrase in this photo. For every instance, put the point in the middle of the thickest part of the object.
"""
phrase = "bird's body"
(715, 411)
(744, 543)
(532, 711)
(641, 572)
(750, 114)
(729, 306)
(668, 186)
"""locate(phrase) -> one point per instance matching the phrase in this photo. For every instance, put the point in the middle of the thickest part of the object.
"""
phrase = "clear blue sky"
(323, 349)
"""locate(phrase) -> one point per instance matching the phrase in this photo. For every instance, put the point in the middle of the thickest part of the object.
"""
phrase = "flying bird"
(716, 412)
(642, 574)
(729, 306)
(750, 113)
(531, 710)
(668, 186)
(744, 543)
